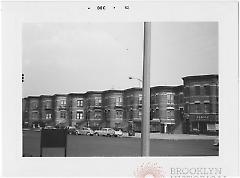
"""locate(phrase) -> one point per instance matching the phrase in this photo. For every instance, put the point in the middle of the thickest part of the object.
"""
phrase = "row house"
(75, 110)
(163, 108)
(173, 109)
(132, 101)
(113, 108)
(201, 103)
(93, 109)
(46, 109)
(60, 114)
(179, 126)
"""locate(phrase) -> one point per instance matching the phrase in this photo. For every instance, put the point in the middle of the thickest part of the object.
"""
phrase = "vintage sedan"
(108, 132)
(85, 131)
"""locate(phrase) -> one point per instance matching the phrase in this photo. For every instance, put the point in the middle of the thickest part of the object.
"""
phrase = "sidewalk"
(163, 136)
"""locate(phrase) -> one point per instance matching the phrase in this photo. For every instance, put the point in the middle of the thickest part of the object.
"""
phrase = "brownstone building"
(174, 109)
(33, 110)
(25, 115)
(132, 101)
(179, 110)
(60, 113)
(163, 108)
(201, 103)
(46, 109)
(93, 109)
(113, 108)
(76, 109)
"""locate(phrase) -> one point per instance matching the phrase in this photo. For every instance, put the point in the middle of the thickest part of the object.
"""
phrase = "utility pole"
(145, 136)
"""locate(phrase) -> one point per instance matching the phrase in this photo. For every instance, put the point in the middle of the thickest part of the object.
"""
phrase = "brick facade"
(174, 109)
(201, 103)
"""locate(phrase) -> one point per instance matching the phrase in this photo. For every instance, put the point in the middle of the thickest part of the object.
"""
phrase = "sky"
(62, 58)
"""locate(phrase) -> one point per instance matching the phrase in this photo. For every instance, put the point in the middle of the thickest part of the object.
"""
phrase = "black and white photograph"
(86, 78)
(120, 89)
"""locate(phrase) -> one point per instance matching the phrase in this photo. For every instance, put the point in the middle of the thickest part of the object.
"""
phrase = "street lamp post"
(139, 80)
(145, 136)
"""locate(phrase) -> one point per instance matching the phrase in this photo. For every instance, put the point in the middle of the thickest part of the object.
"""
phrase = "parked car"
(105, 132)
(49, 127)
(195, 131)
(98, 132)
(118, 133)
(72, 130)
(108, 132)
(85, 131)
(216, 142)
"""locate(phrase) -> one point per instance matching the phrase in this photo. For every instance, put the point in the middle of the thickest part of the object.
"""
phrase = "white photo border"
(15, 13)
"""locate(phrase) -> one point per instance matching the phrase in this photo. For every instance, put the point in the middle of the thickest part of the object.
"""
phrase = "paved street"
(87, 146)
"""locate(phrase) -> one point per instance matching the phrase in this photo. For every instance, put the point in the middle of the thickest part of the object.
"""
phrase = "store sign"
(203, 117)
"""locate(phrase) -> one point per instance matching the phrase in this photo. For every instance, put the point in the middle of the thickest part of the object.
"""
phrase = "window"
(157, 113)
(34, 115)
(79, 115)
(191, 108)
(197, 90)
(198, 107)
(48, 105)
(63, 102)
(34, 105)
(98, 101)
(170, 113)
(48, 116)
(79, 103)
(119, 114)
(186, 91)
(97, 115)
(119, 101)
(63, 114)
(131, 100)
(140, 99)
(186, 108)
(207, 90)
(181, 98)
(170, 98)
(207, 107)
(140, 113)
